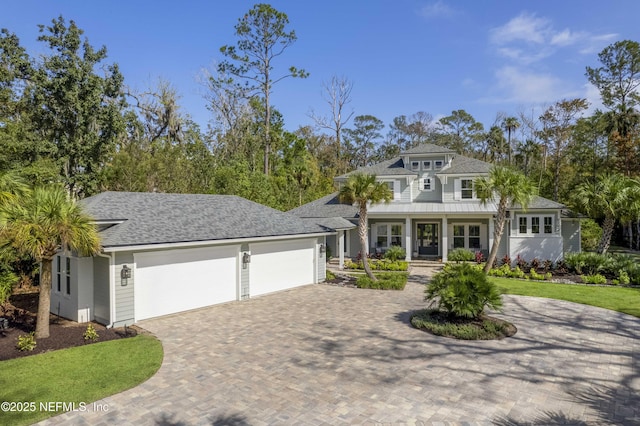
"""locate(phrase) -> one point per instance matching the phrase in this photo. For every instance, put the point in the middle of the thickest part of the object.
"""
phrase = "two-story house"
(435, 210)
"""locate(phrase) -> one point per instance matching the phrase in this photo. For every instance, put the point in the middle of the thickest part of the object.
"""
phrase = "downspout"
(112, 286)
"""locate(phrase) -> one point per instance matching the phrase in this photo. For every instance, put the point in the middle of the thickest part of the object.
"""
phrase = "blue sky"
(402, 56)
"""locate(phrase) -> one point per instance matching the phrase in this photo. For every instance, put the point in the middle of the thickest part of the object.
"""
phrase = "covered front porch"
(421, 237)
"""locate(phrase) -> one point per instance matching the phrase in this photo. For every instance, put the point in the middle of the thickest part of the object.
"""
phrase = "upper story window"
(427, 184)
(466, 189)
(426, 165)
(415, 165)
(394, 187)
(438, 164)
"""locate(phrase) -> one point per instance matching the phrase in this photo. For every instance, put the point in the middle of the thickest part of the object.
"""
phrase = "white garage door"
(178, 280)
(280, 265)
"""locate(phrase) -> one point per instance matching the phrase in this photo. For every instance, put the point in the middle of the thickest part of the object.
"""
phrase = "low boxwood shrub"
(386, 281)
(330, 275)
(540, 277)
(461, 255)
(463, 291)
(594, 279)
(379, 265)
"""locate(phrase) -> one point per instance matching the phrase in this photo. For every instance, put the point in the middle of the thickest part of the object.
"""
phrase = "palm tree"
(41, 224)
(510, 124)
(12, 186)
(363, 189)
(613, 197)
(508, 187)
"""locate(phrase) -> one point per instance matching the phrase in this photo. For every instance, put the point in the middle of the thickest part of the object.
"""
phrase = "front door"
(428, 239)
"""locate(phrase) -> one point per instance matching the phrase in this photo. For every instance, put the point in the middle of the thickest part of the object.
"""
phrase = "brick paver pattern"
(323, 354)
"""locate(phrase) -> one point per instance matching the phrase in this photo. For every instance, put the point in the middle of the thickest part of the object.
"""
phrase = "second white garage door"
(173, 281)
(280, 265)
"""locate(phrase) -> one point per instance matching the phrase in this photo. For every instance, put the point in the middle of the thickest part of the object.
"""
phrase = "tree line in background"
(69, 117)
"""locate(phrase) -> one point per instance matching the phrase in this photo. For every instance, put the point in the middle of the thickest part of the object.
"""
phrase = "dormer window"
(415, 165)
(427, 185)
(438, 164)
(426, 165)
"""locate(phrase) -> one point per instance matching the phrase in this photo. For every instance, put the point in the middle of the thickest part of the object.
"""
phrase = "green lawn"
(77, 375)
(626, 300)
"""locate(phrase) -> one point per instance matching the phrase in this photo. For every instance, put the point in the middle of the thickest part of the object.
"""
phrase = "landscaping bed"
(21, 312)
(443, 324)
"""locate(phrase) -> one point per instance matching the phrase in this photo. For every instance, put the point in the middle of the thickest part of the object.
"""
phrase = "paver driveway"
(329, 355)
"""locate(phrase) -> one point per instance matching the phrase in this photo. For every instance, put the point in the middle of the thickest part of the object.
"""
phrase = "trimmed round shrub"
(394, 253)
(462, 290)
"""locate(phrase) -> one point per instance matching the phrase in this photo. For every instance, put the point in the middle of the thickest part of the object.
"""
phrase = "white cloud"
(520, 86)
(524, 27)
(437, 10)
(567, 38)
(528, 38)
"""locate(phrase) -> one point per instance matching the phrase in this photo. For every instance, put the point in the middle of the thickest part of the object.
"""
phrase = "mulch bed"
(21, 311)
(342, 280)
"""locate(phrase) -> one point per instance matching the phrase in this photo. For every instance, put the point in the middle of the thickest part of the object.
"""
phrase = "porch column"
(341, 248)
(407, 239)
(445, 239)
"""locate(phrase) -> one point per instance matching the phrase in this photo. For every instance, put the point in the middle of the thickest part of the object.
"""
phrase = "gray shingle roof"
(541, 203)
(462, 165)
(428, 148)
(325, 207)
(330, 223)
(156, 218)
(393, 167)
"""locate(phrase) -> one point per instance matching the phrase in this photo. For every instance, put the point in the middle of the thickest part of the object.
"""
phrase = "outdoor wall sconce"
(246, 258)
(125, 274)
(322, 248)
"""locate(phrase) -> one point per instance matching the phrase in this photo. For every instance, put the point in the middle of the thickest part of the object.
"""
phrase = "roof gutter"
(114, 249)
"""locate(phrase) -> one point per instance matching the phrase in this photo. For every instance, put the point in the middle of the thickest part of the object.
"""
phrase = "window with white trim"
(438, 164)
(63, 275)
(68, 276)
(466, 189)
(388, 234)
(58, 274)
(535, 225)
(394, 186)
(467, 236)
(427, 184)
(415, 165)
(382, 239)
(426, 165)
(522, 224)
(458, 236)
(474, 236)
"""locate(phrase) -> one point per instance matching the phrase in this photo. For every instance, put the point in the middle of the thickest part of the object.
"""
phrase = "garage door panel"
(281, 265)
(179, 280)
